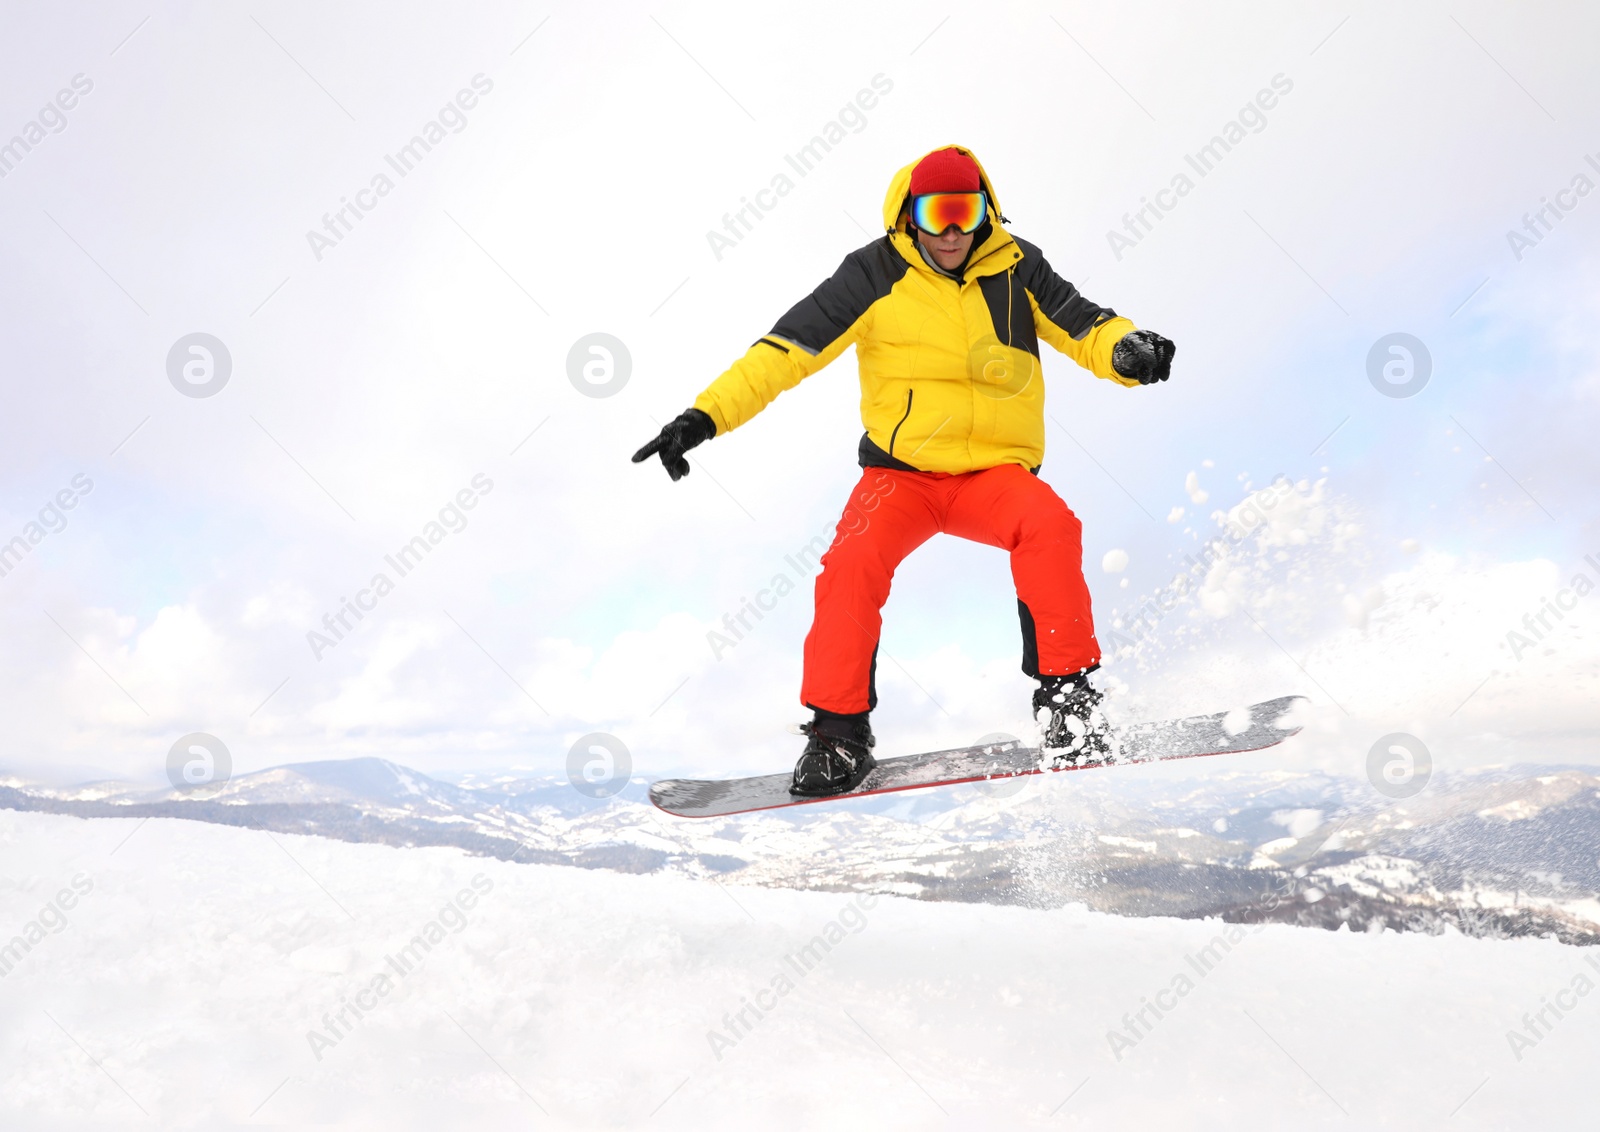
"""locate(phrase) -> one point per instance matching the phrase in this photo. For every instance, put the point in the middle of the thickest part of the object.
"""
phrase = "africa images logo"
(853, 116)
(452, 117)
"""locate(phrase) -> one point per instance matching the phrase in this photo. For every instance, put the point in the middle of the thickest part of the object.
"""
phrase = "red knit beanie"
(945, 171)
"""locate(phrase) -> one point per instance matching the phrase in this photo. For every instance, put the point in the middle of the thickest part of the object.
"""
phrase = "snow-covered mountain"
(1502, 853)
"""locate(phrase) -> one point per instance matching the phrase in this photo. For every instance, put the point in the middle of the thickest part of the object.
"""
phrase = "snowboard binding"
(1076, 734)
(837, 757)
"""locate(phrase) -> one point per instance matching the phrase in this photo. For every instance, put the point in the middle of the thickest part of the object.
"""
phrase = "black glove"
(1144, 356)
(677, 436)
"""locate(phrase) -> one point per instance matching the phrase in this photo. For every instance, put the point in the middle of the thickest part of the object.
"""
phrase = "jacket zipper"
(909, 394)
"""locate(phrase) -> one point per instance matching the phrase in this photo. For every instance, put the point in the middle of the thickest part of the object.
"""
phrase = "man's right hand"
(677, 436)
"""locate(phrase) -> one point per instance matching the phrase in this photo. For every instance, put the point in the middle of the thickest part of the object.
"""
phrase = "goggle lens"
(934, 212)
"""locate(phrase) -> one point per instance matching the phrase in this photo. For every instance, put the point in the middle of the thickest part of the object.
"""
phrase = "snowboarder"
(946, 311)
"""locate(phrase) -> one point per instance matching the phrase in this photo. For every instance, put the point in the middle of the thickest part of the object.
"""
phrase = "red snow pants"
(890, 514)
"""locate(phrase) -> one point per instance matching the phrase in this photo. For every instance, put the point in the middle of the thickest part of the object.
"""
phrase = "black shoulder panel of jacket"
(1060, 301)
(865, 276)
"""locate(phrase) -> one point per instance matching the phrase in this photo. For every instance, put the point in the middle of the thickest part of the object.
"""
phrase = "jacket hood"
(900, 188)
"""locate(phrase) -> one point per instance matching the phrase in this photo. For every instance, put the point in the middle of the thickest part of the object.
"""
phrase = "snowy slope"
(202, 956)
(1496, 853)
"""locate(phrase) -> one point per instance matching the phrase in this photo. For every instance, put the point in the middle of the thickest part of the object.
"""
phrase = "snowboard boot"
(1077, 733)
(838, 755)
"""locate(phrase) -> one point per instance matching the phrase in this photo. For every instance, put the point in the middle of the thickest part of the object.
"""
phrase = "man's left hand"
(1144, 356)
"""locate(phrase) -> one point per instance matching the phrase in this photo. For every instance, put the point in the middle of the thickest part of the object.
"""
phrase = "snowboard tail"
(1224, 733)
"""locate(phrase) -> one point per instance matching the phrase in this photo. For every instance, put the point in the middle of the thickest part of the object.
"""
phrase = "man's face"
(948, 250)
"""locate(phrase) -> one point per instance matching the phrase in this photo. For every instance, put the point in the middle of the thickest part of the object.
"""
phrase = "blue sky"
(371, 384)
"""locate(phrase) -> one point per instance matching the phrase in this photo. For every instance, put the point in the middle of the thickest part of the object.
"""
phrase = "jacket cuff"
(706, 405)
(1110, 371)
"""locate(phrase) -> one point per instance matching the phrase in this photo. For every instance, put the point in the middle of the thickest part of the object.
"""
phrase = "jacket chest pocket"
(1009, 311)
(1002, 347)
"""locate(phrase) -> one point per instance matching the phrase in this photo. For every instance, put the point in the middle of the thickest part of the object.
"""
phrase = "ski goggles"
(934, 212)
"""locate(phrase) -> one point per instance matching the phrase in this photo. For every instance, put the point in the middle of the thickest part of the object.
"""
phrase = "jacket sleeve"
(815, 330)
(1083, 331)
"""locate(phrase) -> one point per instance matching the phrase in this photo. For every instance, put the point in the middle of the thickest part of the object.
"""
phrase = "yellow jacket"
(950, 376)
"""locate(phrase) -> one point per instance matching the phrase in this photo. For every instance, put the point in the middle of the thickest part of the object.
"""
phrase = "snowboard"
(1224, 733)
